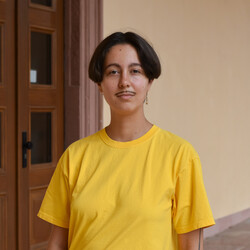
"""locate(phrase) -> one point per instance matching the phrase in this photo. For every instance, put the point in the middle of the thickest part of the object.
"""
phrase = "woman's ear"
(100, 88)
(150, 83)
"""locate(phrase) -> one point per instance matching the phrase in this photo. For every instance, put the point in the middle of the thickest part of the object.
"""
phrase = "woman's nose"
(124, 81)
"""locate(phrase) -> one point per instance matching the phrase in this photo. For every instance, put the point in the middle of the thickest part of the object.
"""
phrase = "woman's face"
(124, 83)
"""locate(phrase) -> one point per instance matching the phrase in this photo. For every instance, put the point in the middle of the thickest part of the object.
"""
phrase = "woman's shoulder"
(171, 137)
(71, 159)
(79, 147)
(176, 143)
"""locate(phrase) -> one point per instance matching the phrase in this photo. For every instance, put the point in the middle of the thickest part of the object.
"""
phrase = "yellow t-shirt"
(132, 195)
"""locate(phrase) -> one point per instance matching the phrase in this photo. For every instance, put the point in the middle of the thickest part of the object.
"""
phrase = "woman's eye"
(136, 71)
(113, 72)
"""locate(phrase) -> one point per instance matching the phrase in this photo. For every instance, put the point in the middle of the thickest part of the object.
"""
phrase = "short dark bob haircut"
(147, 56)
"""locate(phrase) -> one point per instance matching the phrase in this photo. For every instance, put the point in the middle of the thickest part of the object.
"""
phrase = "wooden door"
(31, 116)
(40, 111)
(7, 126)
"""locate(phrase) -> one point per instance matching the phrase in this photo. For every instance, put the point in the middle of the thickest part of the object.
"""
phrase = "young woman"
(132, 185)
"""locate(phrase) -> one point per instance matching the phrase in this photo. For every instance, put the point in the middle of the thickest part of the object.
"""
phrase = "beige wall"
(203, 93)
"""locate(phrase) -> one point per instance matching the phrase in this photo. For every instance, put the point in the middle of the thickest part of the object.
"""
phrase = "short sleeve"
(191, 209)
(55, 207)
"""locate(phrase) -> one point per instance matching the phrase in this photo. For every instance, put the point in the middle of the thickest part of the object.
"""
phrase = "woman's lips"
(125, 93)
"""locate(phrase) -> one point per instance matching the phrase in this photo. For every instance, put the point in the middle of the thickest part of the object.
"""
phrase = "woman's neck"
(127, 128)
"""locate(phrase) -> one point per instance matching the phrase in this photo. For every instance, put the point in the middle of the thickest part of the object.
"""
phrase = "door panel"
(31, 101)
(40, 111)
(39, 230)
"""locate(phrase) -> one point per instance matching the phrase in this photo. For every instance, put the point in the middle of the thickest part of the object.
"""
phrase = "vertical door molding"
(8, 189)
(83, 103)
(22, 115)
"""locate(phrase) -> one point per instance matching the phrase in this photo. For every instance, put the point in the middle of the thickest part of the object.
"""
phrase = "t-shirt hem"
(200, 224)
(52, 220)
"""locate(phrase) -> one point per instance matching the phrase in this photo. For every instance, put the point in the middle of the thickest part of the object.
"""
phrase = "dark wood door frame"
(8, 126)
(83, 103)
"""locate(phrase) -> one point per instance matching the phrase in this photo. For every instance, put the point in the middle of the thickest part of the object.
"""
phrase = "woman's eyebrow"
(135, 64)
(118, 65)
(112, 64)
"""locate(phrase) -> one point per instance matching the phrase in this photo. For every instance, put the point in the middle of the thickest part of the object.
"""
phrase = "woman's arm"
(58, 239)
(191, 241)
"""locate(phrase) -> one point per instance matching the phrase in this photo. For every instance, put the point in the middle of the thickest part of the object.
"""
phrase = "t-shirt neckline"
(118, 144)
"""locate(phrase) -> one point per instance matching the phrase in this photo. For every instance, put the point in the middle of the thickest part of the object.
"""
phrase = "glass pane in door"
(40, 72)
(43, 2)
(41, 137)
